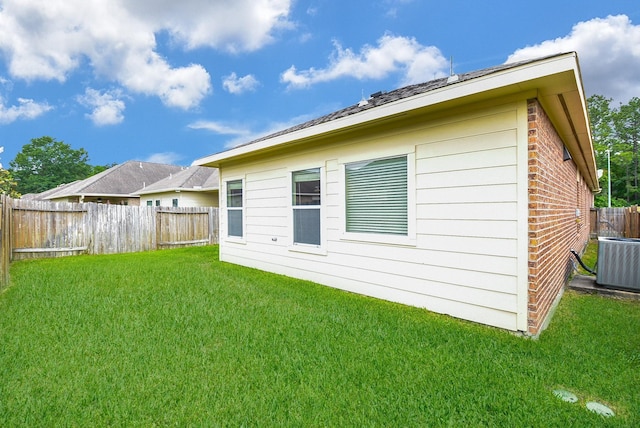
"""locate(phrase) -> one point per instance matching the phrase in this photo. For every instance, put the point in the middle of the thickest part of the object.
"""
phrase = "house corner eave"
(565, 102)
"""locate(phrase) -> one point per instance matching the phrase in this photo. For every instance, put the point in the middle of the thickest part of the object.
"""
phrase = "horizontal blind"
(376, 196)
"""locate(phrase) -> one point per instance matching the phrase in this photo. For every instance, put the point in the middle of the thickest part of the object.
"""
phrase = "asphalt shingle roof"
(121, 180)
(381, 98)
(192, 178)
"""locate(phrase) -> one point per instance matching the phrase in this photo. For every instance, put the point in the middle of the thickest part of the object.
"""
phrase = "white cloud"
(26, 109)
(237, 85)
(609, 53)
(273, 127)
(169, 158)
(107, 107)
(234, 26)
(49, 39)
(393, 54)
(218, 128)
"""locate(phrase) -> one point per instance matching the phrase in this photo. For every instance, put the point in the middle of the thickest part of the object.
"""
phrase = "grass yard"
(589, 258)
(175, 337)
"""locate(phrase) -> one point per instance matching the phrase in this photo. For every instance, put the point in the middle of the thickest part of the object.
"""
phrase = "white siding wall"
(185, 199)
(469, 221)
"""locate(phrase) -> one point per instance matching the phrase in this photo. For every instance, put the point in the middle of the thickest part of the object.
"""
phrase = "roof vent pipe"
(363, 102)
(452, 76)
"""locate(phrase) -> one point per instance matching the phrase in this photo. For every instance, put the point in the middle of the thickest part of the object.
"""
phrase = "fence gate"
(189, 226)
(45, 229)
(616, 222)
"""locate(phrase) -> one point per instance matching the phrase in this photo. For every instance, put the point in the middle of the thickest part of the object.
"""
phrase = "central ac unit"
(619, 263)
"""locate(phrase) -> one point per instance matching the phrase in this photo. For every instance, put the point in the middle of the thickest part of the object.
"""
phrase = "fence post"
(632, 222)
(213, 226)
(6, 229)
(157, 217)
(593, 223)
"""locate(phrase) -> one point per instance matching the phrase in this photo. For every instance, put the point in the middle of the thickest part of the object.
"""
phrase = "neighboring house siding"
(185, 199)
(556, 191)
(466, 250)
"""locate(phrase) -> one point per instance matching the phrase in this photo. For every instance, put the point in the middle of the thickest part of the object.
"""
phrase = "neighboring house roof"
(121, 180)
(44, 195)
(554, 80)
(195, 179)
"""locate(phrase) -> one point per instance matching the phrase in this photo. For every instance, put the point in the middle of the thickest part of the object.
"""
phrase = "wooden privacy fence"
(616, 222)
(36, 229)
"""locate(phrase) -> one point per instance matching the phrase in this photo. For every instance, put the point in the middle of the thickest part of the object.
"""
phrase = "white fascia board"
(518, 76)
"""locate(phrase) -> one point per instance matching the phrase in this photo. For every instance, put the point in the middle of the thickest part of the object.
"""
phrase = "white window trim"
(410, 239)
(301, 247)
(224, 228)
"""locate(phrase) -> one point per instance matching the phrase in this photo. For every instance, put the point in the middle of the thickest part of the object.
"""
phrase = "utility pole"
(609, 176)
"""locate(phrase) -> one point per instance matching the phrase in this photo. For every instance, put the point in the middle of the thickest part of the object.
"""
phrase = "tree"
(46, 163)
(617, 131)
(600, 115)
(627, 126)
(8, 184)
(99, 168)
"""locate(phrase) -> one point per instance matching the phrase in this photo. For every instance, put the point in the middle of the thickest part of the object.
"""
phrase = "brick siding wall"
(556, 191)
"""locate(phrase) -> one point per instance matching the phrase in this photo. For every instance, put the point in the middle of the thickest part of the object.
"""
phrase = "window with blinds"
(376, 196)
(306, 201)
(234, 208)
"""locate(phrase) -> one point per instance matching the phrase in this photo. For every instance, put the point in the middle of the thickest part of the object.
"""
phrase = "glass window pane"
(376, 196)
(234, 193)
(234, 208)
(234, 220)
(306, 226)
(306, 187)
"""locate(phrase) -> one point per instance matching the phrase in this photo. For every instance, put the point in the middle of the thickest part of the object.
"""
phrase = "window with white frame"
(376, 196)
(306, 202)
(234, 208)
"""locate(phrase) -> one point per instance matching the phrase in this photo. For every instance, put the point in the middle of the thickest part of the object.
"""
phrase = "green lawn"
(177, 338)
(589, 258)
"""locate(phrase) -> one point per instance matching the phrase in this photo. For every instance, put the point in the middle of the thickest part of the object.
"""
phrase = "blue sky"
(172, 81)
